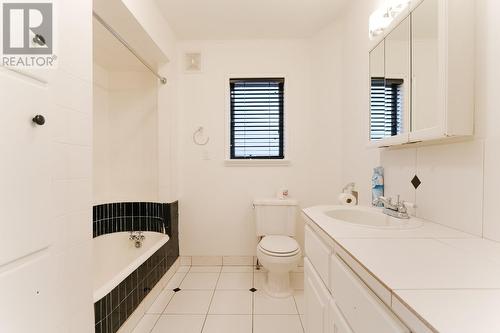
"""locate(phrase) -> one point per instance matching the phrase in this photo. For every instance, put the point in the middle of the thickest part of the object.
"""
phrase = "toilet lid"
(279, 244)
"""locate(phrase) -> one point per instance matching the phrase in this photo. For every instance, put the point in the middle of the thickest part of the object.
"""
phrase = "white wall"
(101, 144)
(71, 92)
(125, 136)
(148, 14)
(69, 258)
(356, 161)
(215, 199)
(454, 176)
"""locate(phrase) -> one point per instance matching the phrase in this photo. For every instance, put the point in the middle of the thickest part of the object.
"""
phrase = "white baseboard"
(224, 261)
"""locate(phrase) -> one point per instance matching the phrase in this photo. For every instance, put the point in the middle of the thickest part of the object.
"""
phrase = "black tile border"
(130, 216)
(114, 309)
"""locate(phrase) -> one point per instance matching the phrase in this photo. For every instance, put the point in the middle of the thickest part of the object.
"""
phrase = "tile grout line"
(297, 308)
(170, 300)
(211, 300)
(253, 296)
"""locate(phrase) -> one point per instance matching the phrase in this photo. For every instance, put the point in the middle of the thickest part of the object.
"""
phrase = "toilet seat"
(279, 246)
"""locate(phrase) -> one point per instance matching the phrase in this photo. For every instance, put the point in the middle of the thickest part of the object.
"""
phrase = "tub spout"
(137, 237)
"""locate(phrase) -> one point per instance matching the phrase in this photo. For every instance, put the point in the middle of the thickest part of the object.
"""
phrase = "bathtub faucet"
(137, 237)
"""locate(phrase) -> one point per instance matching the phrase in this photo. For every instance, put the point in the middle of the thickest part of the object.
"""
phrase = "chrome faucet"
(137, 237)
(397, 209)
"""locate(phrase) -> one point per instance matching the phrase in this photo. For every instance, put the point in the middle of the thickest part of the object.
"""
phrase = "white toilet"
(278, 252)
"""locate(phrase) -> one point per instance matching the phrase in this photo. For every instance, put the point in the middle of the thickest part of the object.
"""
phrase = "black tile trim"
(416, 182)
(111, 311)
(130, 216)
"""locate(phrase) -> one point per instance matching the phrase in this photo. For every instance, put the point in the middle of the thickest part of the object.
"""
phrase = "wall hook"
(196, 140)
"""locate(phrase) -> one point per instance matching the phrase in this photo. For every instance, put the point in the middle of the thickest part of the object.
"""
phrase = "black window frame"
(281, 121)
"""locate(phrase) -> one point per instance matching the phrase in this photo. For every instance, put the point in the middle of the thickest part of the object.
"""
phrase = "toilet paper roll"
(347, 199)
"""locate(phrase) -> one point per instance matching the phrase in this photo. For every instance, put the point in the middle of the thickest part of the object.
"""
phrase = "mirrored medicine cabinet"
(422, 75)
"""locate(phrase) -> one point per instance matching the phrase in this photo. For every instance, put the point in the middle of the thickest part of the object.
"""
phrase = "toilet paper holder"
(350, 188)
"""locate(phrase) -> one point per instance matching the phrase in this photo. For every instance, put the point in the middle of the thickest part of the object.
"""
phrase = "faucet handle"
(409, 204)
(404, 206)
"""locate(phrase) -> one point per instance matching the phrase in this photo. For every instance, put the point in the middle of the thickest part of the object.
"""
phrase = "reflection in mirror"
(390, 89)
(425, 66)
(377, 92)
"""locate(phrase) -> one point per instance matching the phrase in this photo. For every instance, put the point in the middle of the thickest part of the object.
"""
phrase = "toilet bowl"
(279, 255)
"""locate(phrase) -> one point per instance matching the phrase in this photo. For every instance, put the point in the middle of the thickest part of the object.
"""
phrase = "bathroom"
(360, 197)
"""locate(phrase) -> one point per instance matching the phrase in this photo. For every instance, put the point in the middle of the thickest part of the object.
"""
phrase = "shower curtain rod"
(162, 79)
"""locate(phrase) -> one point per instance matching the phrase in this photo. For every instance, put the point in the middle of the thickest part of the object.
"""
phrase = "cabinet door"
(337, 320)
(426, 109)
(317, 300)
(318, 252)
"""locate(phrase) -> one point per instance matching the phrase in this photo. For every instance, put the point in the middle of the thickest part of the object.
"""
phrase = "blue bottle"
(377, 184)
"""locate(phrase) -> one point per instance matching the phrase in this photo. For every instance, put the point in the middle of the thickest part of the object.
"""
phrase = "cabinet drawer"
(363, 310)
(316, 301)
(318, 253)
(378, 288)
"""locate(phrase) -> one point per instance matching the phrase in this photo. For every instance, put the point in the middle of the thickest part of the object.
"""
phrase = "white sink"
(372, 218)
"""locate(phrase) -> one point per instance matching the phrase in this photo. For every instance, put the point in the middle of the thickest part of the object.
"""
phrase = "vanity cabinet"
(317, 301)
(431, 99)
(340, 302)
(318, 253)
(364, 311)
(337, 319)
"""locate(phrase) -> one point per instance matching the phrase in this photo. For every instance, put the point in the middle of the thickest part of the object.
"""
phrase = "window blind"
(386, 105)
(257, 118)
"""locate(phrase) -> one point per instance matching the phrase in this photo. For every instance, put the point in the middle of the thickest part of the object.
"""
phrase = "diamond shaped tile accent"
(253, 290)
(416, 182)
(176, 290)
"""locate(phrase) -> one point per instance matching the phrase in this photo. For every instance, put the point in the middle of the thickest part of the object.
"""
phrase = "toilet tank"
(275, 216)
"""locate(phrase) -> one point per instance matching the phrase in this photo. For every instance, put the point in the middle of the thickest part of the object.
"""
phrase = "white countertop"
(449, 278)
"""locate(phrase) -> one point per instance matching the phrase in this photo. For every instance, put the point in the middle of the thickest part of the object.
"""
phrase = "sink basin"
(372, 217)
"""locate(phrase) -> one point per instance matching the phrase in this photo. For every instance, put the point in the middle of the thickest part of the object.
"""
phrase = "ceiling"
(248, 19)
(111, 54)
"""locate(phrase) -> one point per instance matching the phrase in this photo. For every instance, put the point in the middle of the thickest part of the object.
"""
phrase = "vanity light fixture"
(382, 17)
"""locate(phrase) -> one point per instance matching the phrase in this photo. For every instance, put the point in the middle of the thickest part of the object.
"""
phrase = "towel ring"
(195, 137)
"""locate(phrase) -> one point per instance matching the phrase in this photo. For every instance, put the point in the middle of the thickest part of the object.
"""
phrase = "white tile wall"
(206, 261)
(451, 192)
(399, 168)
(125, 127)
(452, 174)
(237, 260)
(70, 89)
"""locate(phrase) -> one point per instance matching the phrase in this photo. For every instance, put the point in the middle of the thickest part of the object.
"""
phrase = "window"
(386, 108)
(257, 118)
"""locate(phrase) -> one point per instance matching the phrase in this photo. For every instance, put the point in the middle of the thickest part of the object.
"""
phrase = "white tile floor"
(216, 299)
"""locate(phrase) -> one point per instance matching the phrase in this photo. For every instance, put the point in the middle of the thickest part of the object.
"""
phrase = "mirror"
(377, 92)
(390, 84)
(425, 66)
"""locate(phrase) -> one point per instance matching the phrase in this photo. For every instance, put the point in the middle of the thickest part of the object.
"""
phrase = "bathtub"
(115, 257)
